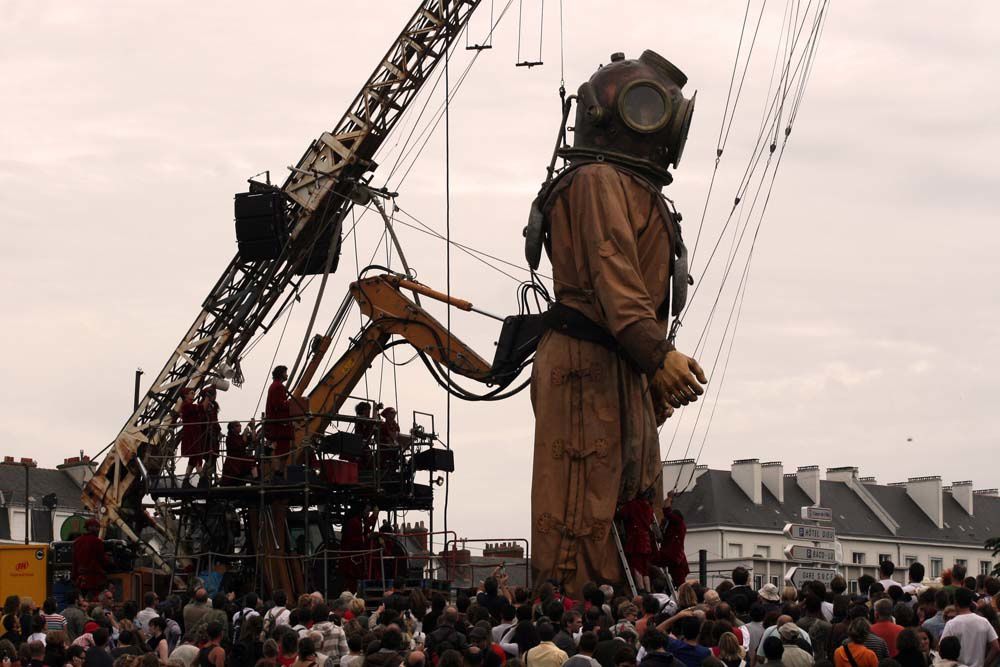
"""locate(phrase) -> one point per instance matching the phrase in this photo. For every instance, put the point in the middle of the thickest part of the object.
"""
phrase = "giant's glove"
(676, 382)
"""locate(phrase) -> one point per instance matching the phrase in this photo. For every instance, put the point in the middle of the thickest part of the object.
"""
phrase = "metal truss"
(240, 303)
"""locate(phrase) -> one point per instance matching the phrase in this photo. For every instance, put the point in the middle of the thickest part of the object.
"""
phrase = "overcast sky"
(872, 314)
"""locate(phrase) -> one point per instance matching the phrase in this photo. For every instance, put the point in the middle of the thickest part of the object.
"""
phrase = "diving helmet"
(633, 112)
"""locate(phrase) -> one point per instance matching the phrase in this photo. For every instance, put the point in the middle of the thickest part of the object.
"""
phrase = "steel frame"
(238, 306)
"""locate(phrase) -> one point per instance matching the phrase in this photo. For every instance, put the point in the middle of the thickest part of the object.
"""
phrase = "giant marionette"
(605, 375)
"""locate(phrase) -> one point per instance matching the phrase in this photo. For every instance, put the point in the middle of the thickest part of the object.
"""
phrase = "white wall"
(722, 554)
(17, 524)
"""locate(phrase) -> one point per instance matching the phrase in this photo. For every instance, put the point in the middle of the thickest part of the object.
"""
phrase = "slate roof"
(42, 482)
(717, 500)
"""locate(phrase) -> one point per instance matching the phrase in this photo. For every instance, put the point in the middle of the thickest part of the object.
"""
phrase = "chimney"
(679, 474)
(842, 474)
(992, 493)
(962, 492)
(747, 475)
(868, 480)
(926, 493)
(78, 468)
(807, 477)
(772, 474)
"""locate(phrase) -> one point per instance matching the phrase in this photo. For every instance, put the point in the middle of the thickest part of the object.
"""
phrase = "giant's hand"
(678, 381)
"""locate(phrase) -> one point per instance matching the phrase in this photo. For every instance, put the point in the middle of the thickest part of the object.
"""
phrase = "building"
(53, 496)
(738, 515)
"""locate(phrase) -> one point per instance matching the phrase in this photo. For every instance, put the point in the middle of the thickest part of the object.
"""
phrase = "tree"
(993, 544)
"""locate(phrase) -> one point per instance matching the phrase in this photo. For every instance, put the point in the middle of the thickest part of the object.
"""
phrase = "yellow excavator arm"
(390, 313)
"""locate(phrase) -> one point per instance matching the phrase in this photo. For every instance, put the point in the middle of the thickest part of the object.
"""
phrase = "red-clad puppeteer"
(90, 561)
(278, 427)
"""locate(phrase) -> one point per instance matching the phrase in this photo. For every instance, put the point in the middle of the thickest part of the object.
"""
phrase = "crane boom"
(240, 303)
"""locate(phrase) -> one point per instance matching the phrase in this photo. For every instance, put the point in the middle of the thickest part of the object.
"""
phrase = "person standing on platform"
(213, 430)
(192, 433)
(277, 415)
(90, 561)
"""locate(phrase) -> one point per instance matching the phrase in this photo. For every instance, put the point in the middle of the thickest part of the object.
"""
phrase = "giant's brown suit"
(595, 431)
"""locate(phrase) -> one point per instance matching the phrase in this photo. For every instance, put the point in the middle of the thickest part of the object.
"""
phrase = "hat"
(770, 593)
(788, 632)
(90, 626)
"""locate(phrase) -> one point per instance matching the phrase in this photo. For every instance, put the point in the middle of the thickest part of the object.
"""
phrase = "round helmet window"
(644, 107)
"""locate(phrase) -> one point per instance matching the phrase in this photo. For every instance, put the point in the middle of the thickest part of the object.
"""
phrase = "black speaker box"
(345, 444)
(261, 229)
(434, 459)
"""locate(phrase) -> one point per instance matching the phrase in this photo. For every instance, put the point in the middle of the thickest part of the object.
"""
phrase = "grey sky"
(872, 311)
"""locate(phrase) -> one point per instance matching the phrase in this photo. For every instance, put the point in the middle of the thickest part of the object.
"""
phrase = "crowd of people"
(949, 622)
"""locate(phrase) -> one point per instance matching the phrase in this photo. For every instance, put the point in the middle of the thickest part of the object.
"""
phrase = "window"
(884, 557)
(774, 580)
(41, 525)
(858, 557)
(910, 560)
(735, 550)
(4, 524)
(985, 567)
(758, 582)
(762, 550)
(936, 566)
(961, 561)
(852, 586)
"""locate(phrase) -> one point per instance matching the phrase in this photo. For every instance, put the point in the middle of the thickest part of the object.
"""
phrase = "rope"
(447, 264)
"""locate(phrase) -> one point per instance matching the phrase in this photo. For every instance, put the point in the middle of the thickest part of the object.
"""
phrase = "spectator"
(935, 624)
(928, 646)
(650, 607)
(977, 637)
(278, 614)
(865, 582)
(585, 652)
(212, 654)
(687, 649)
(354, 658)
(97, 655)
(53, 621)
(306, 654)
(908, 653)
(75, 656)
(884, 626)
(755, 628)
(194, 611)
(854, 652)
(186, 651)
(148, 612)
(507, 615)
(915, 575)
(288, 651)
(446, 636)
(950, 650)
(75, 615)
(793, 655)
(37, 629)
(157, 642)
(819, 628)
(654, 644)
(128, 644)
(334, 644)
(546, 654)
(731, 652)
(886, 569)
(55, 648)
(774, 650)
(770, 597)
(570, 624)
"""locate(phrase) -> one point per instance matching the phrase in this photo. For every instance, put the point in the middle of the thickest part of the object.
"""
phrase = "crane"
(315, 200)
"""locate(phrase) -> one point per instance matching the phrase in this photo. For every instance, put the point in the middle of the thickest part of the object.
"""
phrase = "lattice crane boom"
(240, 303)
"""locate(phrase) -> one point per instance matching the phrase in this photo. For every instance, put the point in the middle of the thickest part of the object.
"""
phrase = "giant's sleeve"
(599, 206)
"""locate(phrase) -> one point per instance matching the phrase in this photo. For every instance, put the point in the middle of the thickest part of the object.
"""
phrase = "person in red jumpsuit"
(671, 555)
(90, 561)
(357, 528)
(637, 514)
(239, 464)
(192, 432)
(213, 429)
(277, 413)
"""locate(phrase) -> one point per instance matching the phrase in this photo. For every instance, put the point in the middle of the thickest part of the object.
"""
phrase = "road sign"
(799, 531)
(810, 513)
(810, 554)
(797, 576)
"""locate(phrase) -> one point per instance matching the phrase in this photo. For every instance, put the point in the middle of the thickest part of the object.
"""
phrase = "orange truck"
(23, 571)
